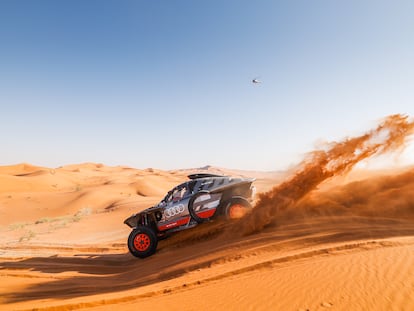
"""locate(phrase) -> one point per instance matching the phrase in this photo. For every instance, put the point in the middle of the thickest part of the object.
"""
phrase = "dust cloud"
(388, 196)
(335, 159)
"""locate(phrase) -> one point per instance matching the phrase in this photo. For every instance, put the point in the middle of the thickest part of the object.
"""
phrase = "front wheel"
(142, 242)
(236, 208)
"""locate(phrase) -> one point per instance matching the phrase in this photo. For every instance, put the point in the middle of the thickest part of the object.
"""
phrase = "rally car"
(202, 198)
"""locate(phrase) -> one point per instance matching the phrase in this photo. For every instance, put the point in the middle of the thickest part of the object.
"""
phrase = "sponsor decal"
(203, 197)
(174, 210)
(211, 204)
(171, 225)
(180, 222)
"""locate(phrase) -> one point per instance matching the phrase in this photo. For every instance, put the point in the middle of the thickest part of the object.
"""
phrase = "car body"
(201, 198)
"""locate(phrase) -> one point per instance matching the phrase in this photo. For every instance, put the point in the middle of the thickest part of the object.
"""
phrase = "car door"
(176, 209)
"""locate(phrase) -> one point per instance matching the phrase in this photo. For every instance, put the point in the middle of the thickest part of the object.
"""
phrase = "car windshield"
(179, 192)
(176, 193)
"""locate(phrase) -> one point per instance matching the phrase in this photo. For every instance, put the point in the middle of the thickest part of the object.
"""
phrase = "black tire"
(142, 242)
(236, 208)
(191, 210)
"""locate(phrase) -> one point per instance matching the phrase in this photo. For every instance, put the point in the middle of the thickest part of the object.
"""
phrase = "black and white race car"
(200, 199)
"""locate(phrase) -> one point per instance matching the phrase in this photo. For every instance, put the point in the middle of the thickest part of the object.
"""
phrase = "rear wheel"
(236, 208)
(142, 242)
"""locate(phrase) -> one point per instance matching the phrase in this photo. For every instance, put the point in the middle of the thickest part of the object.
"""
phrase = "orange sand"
(346, 246)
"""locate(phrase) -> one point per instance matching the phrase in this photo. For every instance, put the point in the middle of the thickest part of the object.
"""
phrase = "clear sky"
(167, 84)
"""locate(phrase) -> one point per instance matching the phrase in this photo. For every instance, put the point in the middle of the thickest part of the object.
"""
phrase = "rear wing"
(203, 175)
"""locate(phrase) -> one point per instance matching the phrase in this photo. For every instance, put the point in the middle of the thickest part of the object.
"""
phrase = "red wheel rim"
(142, 242)
(237, 211)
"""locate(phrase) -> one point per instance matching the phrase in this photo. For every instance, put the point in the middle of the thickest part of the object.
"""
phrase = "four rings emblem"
(175, 210)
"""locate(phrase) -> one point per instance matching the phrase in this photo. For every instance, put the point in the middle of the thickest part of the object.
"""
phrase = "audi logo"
(175, 210)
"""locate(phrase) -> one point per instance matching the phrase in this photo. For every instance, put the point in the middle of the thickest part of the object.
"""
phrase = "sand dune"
(321, 255)
(314, 241)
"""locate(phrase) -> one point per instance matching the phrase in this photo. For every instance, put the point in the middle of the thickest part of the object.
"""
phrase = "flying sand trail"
(286, 199)
(337, 158)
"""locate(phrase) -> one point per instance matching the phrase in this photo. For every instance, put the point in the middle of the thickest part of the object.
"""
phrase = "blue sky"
(167, 84)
